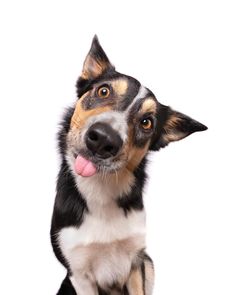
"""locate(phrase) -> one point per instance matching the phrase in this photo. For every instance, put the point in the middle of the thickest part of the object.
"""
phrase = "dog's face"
(116, 120)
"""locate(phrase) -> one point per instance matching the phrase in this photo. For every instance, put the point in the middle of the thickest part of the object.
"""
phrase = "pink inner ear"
(92, 69)
(96, 62)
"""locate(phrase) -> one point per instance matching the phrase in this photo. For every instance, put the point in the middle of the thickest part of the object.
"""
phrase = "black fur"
(163, 115)
(65, 127)
(66, 287)
(143, 275)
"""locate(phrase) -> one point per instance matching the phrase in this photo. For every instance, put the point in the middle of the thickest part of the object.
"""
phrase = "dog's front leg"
(141, 278)
(83, 284)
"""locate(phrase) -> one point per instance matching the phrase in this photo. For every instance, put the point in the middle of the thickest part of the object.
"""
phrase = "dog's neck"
(104, 189)
(123, 188)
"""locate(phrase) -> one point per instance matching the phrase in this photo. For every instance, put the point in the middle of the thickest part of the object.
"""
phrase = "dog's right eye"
(103, 92)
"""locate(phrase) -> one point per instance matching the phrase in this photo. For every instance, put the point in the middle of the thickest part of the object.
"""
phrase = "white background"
(185, 51)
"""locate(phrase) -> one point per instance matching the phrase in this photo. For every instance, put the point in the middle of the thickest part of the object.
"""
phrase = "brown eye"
(146, 123)
(103, 92)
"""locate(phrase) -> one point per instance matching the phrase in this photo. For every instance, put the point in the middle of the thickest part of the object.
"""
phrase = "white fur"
(104, 263)
(104, 189)
(95, 249)
(83, 285)
(106, 221)
(96, 229)
(141, 94)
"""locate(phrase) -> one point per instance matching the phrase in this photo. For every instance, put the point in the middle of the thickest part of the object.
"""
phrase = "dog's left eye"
(103, 92)
(146, 123)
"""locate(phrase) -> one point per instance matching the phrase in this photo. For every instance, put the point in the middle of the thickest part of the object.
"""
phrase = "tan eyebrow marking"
(120, 86)
(149, 105)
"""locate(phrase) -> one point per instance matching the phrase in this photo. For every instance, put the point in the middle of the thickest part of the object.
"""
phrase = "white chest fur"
(98, 229)
(104, 247)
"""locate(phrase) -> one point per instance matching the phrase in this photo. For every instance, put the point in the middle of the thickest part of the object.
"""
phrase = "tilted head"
(116, 120)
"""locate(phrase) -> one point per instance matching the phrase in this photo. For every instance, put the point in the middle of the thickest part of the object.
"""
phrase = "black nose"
(103, 141)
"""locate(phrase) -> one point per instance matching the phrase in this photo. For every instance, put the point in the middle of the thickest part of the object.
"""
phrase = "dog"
(98, 223)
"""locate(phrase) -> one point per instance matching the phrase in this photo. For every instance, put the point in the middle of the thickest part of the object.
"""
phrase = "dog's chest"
(104, 246)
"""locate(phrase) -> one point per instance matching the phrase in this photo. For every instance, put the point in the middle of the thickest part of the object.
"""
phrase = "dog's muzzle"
(103, 141)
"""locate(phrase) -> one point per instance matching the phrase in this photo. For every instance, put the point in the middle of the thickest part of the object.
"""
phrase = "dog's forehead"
(126, 92)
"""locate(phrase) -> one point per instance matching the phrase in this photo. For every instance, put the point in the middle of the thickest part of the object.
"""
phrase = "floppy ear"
(173, 126)
(96, 62)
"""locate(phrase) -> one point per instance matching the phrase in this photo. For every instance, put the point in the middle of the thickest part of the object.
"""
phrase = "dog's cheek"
(79, 116)
(73, 138)
(136, 155)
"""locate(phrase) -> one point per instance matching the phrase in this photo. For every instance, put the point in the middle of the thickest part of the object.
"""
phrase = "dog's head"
(116, 120)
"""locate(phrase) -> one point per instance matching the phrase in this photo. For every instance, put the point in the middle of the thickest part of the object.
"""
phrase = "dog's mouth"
(86, 165)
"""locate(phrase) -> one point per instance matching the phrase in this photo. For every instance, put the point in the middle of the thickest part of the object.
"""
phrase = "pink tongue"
(84, 167)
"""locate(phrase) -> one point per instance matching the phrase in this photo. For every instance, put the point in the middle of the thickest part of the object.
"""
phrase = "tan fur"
(80, 115)
(173, 136)
(149, 277)
(173, 121)
(135, 156)
(92, 68)
(126, 245)
(120, 86)
(170, 129)
(149, 105)
(135, 283)
(122, 177)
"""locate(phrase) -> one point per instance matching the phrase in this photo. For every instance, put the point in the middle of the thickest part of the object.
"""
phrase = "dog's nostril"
(108, 148)
(93, 135)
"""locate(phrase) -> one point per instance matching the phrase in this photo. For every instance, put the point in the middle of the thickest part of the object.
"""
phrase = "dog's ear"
(96, 62)
(173, 126)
